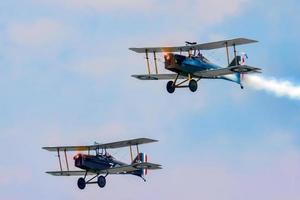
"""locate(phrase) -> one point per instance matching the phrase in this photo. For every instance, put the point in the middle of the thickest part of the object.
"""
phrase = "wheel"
(193, 85)
(242, 87)
(170, 87)
(81, 183)
(101, 181)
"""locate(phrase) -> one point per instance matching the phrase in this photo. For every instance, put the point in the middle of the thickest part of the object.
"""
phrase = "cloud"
(201, 11)
(41, 33)
(10, 175)
(266, 169)
(281, 88)
(124, 108)
(107, 6)
(34, 44)
(257, 172)
(191, 11)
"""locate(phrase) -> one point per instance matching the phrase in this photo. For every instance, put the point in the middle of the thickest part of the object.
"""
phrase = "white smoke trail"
(278, 87)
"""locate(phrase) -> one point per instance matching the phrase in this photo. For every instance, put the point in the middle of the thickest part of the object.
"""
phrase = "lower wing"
(214, 73)
(157, 76)
(114, 170)
(211, 73)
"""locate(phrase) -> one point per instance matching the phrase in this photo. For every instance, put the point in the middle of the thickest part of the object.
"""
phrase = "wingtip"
(152, 140)
(149, 139)
(133, 49)
(47, 148)
(248, 39)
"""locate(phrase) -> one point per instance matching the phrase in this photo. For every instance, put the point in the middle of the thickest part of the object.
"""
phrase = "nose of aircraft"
(168, 58)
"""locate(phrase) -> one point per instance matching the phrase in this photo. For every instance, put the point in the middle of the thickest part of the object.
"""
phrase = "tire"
(81, 183)
(101, 181)
(170, 87)
(193, 85)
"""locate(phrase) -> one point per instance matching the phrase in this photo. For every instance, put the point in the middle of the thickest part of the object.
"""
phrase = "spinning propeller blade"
(146, 160)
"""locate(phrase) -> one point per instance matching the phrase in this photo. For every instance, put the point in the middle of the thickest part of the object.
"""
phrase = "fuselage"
(97, 163)
(185, 65)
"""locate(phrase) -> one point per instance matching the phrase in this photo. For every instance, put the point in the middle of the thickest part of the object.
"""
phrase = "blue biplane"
(193, 66)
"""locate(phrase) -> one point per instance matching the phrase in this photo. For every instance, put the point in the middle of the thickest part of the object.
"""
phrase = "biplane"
(190, 64)
(101, 164)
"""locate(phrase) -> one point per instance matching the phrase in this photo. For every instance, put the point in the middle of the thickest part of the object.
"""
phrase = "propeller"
(146, 160)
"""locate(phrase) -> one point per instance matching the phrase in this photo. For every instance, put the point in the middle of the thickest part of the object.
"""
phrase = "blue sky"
(65, 79)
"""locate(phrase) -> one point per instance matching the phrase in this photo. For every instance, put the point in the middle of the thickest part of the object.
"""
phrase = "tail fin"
(236, 61)
(239, 60)
(141, 158)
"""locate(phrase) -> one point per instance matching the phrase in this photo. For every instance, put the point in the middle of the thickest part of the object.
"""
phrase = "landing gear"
(81, 183)
(101, 181)
(242, 87)
(170, 87)
(193, 85)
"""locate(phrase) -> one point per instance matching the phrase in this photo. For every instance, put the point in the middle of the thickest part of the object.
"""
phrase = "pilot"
(190, 53)
(108, 155)
(200, 55)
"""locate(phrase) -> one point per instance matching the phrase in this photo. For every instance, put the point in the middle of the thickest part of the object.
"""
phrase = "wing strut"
(155, 62)
(228, 59)
(148, 63)
(234, 50)
(67, 164)
(131, 155)
(147, 59)
(138, 152)
(58, 155)
(60, 162)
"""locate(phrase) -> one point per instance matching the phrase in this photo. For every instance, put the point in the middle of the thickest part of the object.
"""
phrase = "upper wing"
(70, 148)
(114, 170)
(204, 46)
(225, 71)
(157, 76)
(125, 143)
(223, 43)
(111, 145)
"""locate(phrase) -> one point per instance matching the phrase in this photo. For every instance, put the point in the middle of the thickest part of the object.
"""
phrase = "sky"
(65, 79)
